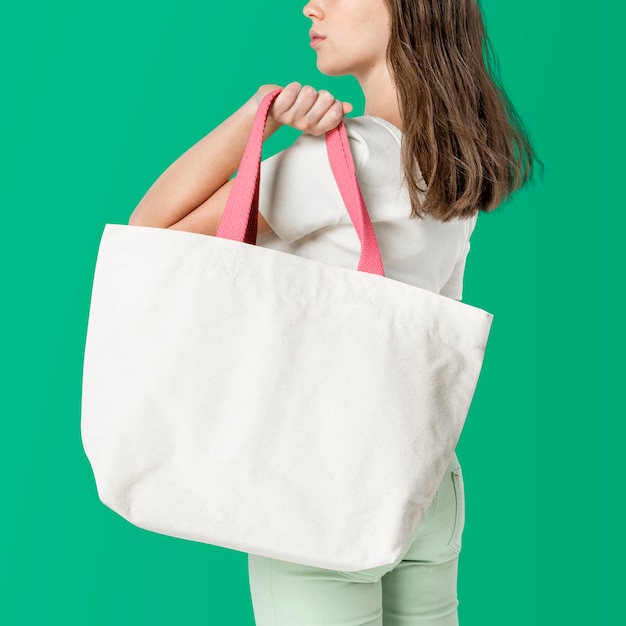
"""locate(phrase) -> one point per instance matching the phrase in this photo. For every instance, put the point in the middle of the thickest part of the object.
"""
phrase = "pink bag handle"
(240, 217)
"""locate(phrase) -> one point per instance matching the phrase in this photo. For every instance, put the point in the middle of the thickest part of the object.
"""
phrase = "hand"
(311, 111)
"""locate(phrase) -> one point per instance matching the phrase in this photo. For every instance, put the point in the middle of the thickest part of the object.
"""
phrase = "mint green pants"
(420, 588)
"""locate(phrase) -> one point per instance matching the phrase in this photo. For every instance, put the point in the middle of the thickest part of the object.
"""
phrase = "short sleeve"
(297, 193)
(454, 286)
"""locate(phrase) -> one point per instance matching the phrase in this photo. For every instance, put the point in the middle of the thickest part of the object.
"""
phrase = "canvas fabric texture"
(268, 403)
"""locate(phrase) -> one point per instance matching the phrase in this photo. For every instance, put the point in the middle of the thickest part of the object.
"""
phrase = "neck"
(381, 96)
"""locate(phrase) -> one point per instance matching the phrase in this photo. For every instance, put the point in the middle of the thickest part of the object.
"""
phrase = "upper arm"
(298, 194)
(454, 285)
(205, 219)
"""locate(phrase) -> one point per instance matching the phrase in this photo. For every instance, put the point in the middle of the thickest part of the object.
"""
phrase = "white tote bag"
(255, 400)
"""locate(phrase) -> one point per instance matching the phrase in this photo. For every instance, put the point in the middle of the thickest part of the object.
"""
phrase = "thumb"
(347, 107)
(263, 90)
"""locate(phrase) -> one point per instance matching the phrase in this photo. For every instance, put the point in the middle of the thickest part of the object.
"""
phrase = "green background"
(99, 98)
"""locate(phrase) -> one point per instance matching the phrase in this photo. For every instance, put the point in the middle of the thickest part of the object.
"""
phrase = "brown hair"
(458, 123)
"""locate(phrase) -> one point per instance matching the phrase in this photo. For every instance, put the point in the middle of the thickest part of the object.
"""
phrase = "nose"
(312, 9)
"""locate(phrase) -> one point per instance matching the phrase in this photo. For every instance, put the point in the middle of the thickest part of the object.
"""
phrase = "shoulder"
(366, 133)
(369, 127)
(375, 145)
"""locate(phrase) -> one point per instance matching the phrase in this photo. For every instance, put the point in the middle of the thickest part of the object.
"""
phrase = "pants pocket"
(455, 542)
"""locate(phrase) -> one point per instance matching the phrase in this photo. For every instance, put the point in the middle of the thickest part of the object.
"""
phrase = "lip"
(315, 38)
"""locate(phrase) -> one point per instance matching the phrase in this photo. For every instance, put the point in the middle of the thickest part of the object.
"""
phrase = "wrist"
(271, 125)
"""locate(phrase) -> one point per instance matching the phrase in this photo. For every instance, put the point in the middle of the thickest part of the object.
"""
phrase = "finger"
(324, 102)
(304, 103)
(285, 99)
(331, 119)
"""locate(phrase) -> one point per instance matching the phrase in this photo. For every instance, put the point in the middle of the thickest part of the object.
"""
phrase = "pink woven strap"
(239, 220)
(342, 164)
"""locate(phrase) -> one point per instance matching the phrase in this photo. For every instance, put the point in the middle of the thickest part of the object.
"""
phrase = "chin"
(329, 70)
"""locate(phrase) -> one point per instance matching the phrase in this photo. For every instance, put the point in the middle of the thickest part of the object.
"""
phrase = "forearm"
(198, 173)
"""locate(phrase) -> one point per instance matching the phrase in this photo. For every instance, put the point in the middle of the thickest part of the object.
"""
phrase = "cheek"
(376, 31)
(373, 44)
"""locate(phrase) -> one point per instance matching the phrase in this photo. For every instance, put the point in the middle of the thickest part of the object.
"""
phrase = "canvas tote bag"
(256, 400)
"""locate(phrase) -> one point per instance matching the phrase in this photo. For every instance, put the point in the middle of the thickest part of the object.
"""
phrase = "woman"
(439, 142)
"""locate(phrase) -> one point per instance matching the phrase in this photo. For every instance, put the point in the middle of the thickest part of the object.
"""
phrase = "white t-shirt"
(300, 200)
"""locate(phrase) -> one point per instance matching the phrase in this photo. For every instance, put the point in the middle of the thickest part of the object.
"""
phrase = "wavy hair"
(458, 123)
